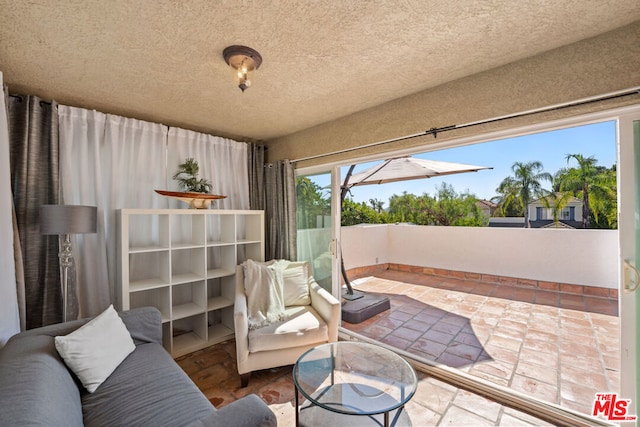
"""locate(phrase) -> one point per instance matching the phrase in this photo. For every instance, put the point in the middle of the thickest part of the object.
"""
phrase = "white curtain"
(110, 162)
(9, 316)
(222, 161)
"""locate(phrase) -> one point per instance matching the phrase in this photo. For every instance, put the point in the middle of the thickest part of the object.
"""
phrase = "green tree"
(524, 186)
(596, 186)
(407, 208)
(311, 203)
(354, 213)
(447, 207)
(451, 208)
(508, 201)
(376, 204)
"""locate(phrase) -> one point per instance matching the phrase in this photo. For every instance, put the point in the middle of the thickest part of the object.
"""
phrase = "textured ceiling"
(162, 60)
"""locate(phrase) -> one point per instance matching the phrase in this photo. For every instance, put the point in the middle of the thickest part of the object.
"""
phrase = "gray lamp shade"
(68, 219)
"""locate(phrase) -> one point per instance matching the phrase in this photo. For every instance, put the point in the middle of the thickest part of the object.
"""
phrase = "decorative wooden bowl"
(194, 200)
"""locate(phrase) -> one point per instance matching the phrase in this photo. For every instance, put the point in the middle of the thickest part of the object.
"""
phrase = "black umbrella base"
(364, 307)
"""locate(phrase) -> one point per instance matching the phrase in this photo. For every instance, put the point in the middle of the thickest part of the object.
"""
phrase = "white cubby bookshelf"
(183, 261)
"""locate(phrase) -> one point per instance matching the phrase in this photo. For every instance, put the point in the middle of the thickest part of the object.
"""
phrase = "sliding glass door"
(317, 230)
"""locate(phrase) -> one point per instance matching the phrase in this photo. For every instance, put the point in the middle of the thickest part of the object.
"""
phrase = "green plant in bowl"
(187, 177)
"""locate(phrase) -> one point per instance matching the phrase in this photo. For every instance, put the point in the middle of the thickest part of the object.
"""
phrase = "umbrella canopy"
(407, 168)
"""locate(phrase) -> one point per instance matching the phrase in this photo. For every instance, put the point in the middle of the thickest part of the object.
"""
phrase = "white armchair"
(312, 321)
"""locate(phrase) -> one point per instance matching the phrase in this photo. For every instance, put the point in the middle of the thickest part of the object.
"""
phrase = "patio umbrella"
(407, 168)
(391, 170)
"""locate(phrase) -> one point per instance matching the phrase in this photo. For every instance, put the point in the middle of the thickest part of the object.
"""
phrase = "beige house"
(541, 213)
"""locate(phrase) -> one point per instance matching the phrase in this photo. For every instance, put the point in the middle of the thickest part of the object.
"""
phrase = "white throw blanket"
(264, 287)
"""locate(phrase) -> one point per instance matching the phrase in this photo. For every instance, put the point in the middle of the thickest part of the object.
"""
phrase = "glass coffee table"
(352, 380)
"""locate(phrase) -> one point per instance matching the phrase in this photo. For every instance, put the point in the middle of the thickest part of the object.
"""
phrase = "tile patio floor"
(557, 348)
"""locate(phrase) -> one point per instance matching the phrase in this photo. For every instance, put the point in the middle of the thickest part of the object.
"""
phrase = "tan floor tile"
(420, 415)
(537, 372)
(535, 388)
(579, 393)
(547, 347)
(543, 359)
(433, 397)
(592, 379)
(509, 421)
(478, 405)
(589, 364)
(508, 343)
(545, 335)
(456, 416)
(531, 420)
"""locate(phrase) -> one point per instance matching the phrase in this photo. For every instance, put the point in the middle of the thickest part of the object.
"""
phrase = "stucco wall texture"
(592, 67)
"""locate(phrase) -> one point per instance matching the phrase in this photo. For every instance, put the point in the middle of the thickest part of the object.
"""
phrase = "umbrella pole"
(365, 306)
(349, 295)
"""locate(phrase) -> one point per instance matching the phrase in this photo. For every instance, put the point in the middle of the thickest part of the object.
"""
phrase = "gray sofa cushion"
(144, 325)
(152, 388)
(35, 385)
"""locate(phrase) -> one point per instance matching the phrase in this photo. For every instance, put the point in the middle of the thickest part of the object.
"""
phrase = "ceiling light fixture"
(244, 62)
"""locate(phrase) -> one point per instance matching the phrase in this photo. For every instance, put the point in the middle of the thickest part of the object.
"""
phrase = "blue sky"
(598, 140)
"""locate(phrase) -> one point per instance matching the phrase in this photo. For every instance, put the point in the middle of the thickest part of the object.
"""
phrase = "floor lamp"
(65, 220)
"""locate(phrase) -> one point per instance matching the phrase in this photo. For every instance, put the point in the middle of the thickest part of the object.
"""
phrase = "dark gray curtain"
(256, 176)
(33, 141)
(280, 211)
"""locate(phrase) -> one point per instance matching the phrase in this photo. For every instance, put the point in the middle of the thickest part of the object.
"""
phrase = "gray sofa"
(147, 389)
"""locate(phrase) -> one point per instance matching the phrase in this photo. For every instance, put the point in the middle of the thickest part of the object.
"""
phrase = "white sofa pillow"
(296, 285)
(96, 349)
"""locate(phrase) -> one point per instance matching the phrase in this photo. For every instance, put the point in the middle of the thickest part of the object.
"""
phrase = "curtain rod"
(21, 98)
(435, 131)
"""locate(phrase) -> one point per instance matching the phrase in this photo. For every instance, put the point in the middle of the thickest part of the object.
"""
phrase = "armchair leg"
(244, 379)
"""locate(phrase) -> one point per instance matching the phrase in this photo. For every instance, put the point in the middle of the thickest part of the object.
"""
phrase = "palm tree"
(376, 204)
(588, 182)
(556, 201)
(507, 201)
(523, 186)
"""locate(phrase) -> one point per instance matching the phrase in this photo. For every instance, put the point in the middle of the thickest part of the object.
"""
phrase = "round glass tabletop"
(354, 378)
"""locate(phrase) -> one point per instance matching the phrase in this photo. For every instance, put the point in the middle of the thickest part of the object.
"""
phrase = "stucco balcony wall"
(546, 258)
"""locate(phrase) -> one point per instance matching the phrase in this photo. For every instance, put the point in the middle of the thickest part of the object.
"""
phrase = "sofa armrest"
(327, 306)
(241, 321)
(250, 411)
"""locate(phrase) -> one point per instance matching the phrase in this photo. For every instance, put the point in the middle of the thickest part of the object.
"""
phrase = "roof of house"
(572, 199)
(558, 224)
(484, 203)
